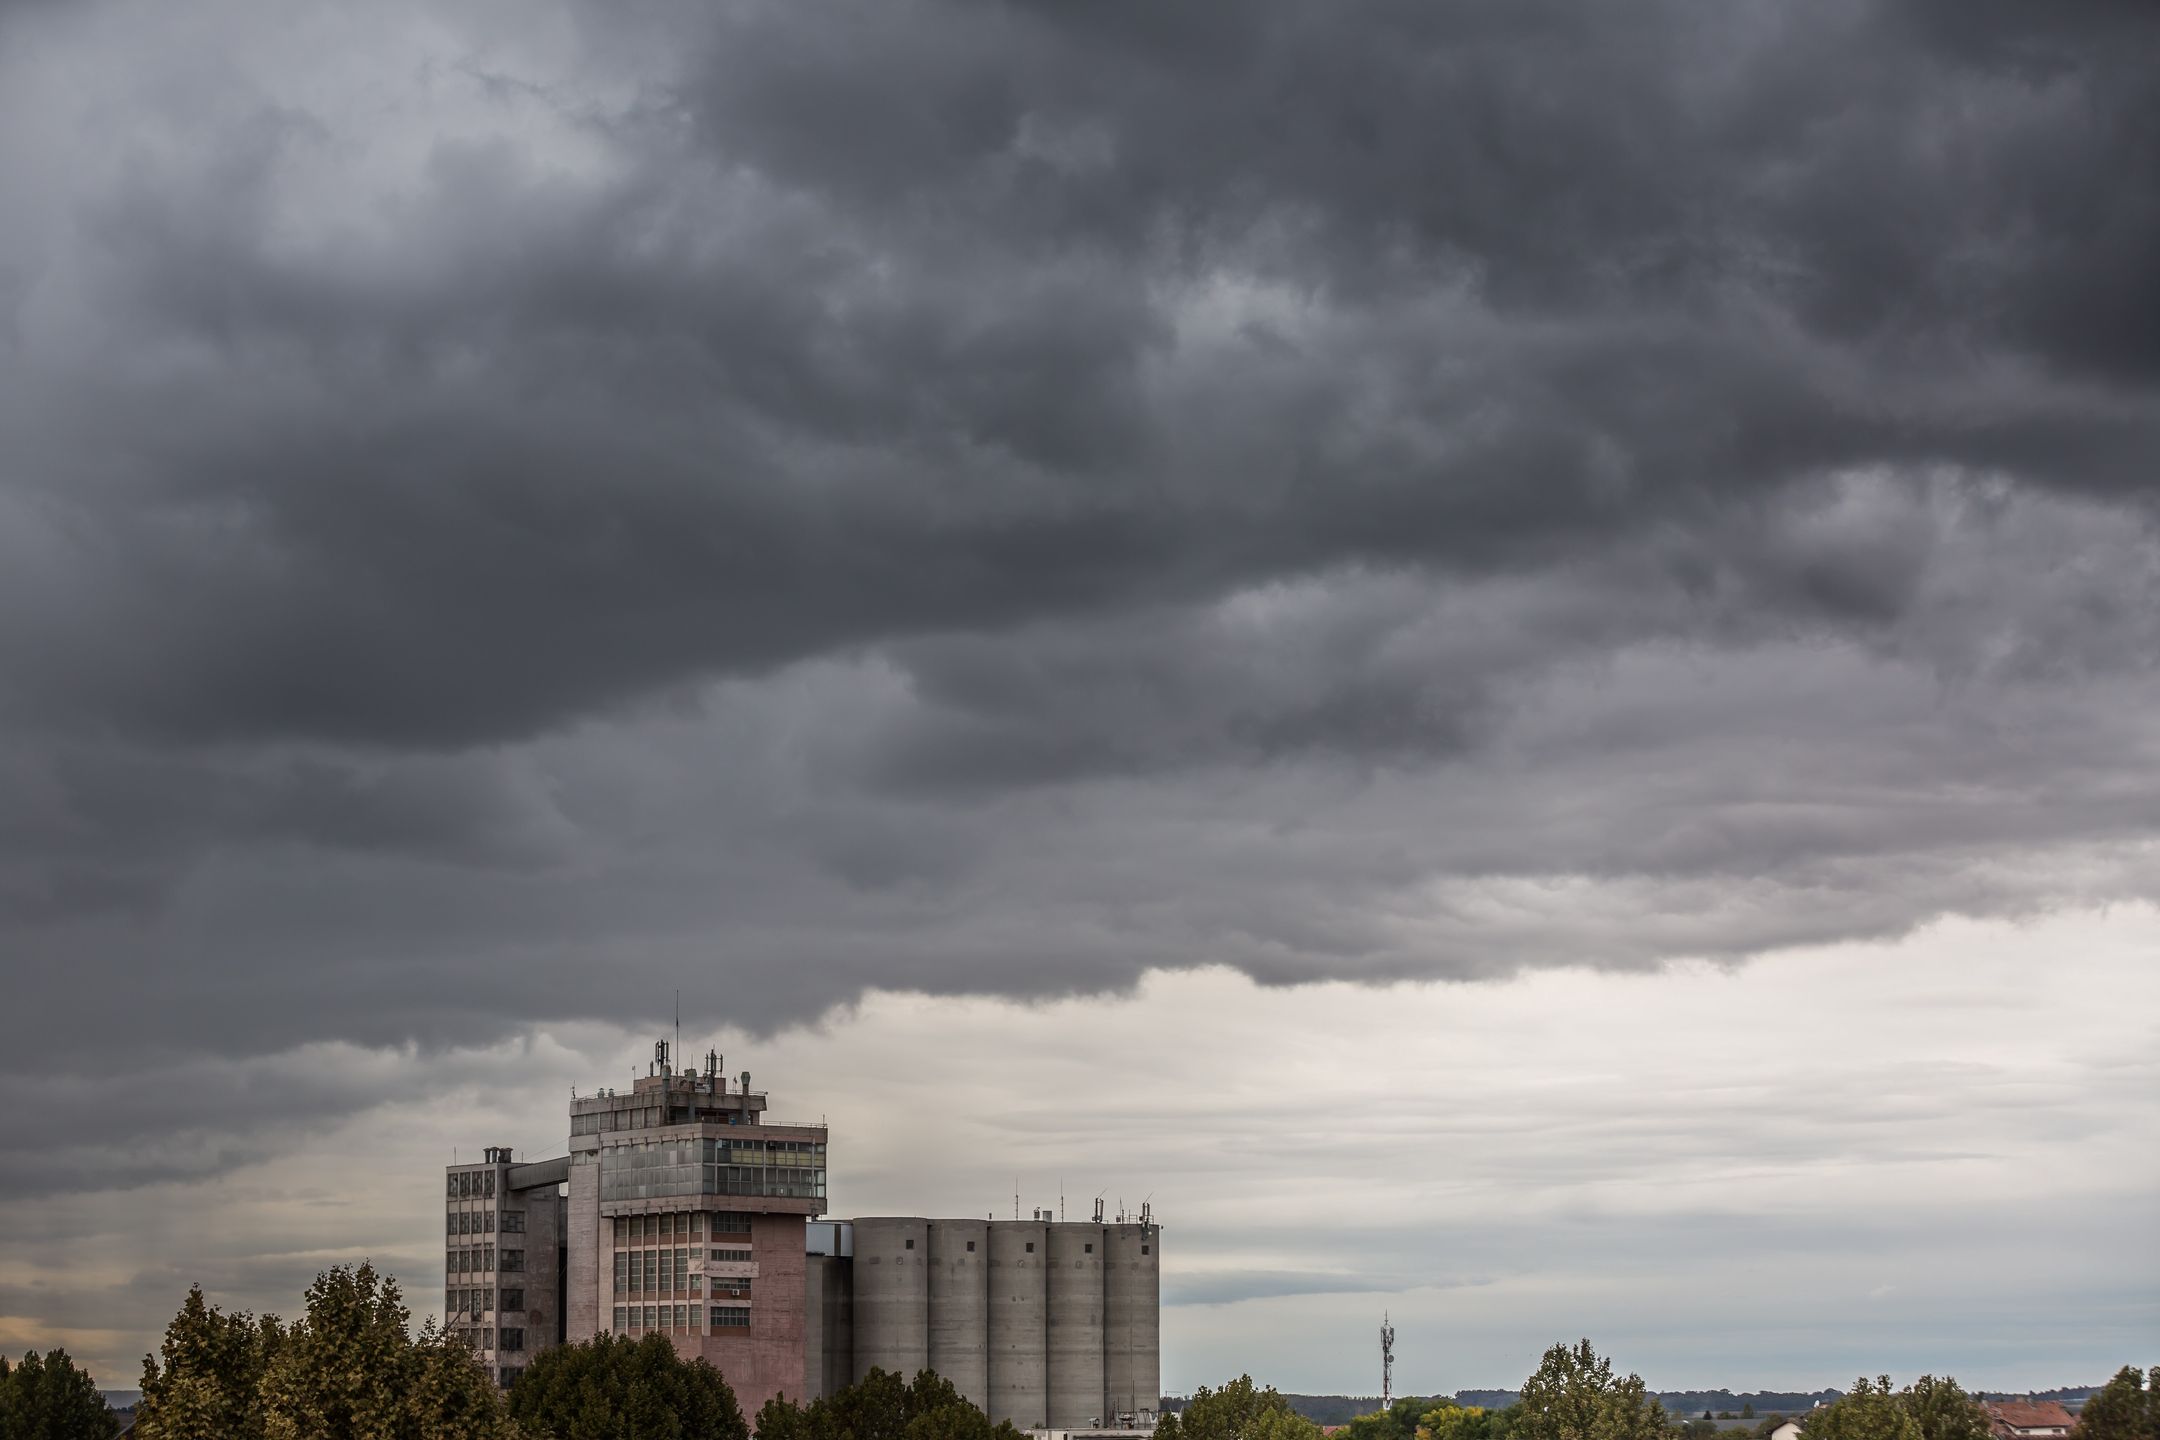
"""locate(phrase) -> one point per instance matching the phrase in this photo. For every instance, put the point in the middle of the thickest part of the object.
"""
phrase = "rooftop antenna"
(1387, 1363)
(1061, 1199)
(1016, 1197)
(678, 1023)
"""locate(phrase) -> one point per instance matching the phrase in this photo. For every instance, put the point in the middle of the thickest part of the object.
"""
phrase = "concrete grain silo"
(1132, 1324)
(892, 1296)
(960, 1306)
(1019, 1392)
(1074, 1343)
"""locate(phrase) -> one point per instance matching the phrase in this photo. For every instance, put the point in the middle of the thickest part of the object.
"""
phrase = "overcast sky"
(1505, 651)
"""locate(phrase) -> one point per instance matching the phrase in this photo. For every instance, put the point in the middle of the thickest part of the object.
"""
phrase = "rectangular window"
(513, 1300)
(487, 1222)
(697, 1224)
(730, 1222)
(622, 1272)
(971, 1247)
(911, 1244)
(650, 1323)
(622, 1324)
(491, 1184)
(697, 1286)
(652, 1228)
(682, 1317)
(1031, 1247)
(667, 1270)
(488, 1253)
(487, 1338)
(513, 1338)
(450, 1222)
(484, 1300)
(512, 1259)
(510, 1375)
(730, 1317)
(452, 1193)
(652, 1272)
(513, 1222)
(1143, 1249)
(1090, 1249)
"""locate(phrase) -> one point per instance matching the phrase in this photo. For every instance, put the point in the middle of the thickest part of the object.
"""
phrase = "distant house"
(2028, 1419)
(1786, 1430)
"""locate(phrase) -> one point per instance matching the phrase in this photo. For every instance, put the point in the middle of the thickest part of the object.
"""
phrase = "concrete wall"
(1132, 1318)
(829, 1325)
(892, 1295)
(1018, 1323)
(1074, 1333)
(591, 1296)
(960, 1306)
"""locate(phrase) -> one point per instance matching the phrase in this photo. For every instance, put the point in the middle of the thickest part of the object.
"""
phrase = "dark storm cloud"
(1003, 497)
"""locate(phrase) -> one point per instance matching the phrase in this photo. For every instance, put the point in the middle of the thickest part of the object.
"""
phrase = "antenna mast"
(1387, 1363)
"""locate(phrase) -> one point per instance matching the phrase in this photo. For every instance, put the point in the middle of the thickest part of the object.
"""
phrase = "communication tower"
(1387, 1363)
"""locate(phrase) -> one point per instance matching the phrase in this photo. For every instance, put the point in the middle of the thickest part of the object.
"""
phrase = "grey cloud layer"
(998, 498)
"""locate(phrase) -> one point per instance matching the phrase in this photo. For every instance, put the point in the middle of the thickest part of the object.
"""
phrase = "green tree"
(1446, 1420)
(209, 1386)
(2123, 1409)
(1747, 1410)
(1872, 1411)
(1575, 1396)
(1943, 1411)
(881, 1406)
(612, 1387)
(1238, 1411)
(48, 1397)
(350, 1370)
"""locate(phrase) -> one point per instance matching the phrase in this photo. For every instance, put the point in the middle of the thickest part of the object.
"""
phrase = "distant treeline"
(1342, 1409)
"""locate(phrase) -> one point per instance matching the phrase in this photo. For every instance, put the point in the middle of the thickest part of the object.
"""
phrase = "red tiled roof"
(2030, 1414)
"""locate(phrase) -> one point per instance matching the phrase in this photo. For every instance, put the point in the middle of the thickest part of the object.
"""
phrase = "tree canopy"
(348, 1369)
(1574, 1395)
(2123, 1409)
(49, 1397)
(209, 1386)
(882, 1406)
(612, 1387)
(1238, 1411)
(1871, 1410)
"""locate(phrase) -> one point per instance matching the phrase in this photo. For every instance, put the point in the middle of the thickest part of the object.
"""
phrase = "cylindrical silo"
(960, 1306)
(1018, 1316)
(1132, 1319)
(1074, 1344)
(892, 1296)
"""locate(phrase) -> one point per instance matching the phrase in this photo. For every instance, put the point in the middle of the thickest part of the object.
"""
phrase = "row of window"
(472, 1185)
(482, 1300)
(792, 1169)
(512, 1338)
(691, 1224)
(479, 1259)
(467, 1222)
(635, 1319)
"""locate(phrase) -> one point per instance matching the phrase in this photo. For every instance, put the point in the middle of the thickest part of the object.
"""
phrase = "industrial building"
(682, 1209)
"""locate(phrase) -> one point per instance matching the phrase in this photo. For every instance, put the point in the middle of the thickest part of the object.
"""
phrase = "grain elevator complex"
(682, 1210)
